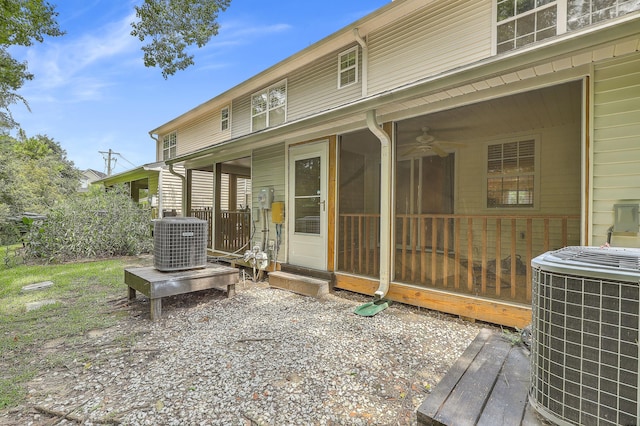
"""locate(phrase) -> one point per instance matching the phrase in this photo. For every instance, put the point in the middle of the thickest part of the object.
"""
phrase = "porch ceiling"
(542, 108)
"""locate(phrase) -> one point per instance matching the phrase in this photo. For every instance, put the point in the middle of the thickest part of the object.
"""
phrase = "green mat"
(372, 308)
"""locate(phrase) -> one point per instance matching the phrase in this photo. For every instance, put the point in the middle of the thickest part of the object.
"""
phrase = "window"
(511, 172)
(224, 119)
(522, 22)
(348, 67)
(269, 106)
(581, 13)
(169, 146)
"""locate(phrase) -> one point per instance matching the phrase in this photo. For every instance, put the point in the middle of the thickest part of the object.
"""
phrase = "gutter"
(486, 68)
(386, 163)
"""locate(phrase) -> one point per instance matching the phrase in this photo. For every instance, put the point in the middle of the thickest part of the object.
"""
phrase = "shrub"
(97, 224)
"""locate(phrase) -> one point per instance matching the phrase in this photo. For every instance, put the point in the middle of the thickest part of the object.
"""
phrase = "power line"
(110, 160)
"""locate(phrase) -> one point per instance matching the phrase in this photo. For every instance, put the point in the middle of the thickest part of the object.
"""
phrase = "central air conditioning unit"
(179, 243)
(584, 353)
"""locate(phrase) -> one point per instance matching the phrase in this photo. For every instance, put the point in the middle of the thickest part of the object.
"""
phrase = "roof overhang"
(539, 53)
(141, 172)
(381, 17)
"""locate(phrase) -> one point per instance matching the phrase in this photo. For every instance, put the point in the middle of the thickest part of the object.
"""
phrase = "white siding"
(172, 190)
(269, 169)
(200, 133)
(201, 189)
(241, 114)
(314, 88)
(559, 173)
(616, 150)
(436, 39)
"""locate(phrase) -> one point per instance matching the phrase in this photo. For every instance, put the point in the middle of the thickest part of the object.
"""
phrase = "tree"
(22, 22)
(172, 26)
(35, 174)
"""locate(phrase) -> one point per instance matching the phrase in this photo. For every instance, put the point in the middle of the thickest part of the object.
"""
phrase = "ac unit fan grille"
(584, 360)
(180, 243)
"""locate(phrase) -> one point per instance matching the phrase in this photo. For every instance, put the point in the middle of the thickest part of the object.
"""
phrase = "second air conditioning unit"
(584, 351)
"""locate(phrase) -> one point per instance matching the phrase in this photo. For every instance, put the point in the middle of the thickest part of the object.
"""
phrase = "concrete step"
(300, 284)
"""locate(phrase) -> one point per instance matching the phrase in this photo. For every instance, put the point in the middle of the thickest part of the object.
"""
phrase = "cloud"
(82, 66)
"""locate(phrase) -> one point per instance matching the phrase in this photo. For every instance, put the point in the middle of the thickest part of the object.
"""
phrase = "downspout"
(365, 62)
(183, 199)
(385, 203)
(160, 197)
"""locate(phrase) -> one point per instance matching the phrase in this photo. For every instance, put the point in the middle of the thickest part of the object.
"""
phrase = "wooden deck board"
(512, 386)
(488, 385)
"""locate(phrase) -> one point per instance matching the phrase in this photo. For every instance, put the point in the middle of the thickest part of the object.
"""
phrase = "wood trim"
(331, 205)
(493, 311)
(588, 202)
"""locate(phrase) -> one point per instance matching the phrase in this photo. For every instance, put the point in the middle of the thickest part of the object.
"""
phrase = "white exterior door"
(307, 223)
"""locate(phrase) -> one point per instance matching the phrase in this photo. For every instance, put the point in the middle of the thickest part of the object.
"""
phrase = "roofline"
(492, 66)
(150, 167)
(374, 20)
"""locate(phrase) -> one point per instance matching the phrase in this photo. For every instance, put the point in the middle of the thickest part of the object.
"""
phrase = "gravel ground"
(264, 357)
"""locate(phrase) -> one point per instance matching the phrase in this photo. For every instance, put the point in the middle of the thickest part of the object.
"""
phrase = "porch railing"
(233, 230)
(485, 255)
(205, 213)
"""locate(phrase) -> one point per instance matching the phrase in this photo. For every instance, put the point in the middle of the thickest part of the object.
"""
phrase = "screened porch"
(478, 192)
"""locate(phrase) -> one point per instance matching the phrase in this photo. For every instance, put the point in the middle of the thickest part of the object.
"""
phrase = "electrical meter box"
(277, 212)
(265, 198)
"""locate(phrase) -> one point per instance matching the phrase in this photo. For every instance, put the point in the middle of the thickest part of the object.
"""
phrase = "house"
(88, 177)
(430, 150)
(152, 184)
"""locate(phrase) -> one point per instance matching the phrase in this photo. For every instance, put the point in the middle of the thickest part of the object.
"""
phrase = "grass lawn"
(81, 292)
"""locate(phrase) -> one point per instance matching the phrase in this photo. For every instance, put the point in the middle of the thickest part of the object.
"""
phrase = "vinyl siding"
(200, 133)
(436, 39)
(172, 190)
(241, 114)
(616, 151)
(201, 189)
(269, 169)
(315, 87)
(559, 174)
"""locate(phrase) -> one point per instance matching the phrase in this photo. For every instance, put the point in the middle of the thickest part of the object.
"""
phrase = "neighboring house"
(155, 185)
(152, 184)
(88, 177)
(432, 147)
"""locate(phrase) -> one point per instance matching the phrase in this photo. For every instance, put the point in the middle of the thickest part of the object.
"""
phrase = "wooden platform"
(156, 284)
(488, 385)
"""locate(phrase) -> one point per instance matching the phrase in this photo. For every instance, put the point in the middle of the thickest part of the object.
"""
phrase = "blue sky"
(91, 91)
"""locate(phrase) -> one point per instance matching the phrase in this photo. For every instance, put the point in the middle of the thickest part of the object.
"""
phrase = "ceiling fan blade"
(438, 150)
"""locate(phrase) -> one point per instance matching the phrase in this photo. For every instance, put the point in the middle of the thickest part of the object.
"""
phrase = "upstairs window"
(581, 13)
(224, 119)
(169, 146)
(522, 22)
(269, 106)
(348, 67)
(511, 173)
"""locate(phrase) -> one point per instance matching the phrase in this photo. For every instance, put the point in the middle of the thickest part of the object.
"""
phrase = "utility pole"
(109, 158)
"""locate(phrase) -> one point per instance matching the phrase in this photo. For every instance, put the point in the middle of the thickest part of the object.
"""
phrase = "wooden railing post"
(426, 244)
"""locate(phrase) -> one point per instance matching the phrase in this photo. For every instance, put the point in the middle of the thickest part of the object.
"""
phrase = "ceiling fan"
(427, 143)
